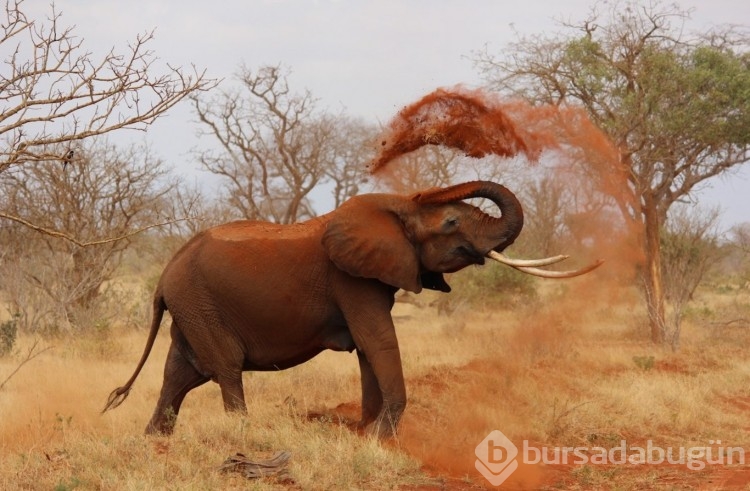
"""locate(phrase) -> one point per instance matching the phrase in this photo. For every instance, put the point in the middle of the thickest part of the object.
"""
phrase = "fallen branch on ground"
(253, 469)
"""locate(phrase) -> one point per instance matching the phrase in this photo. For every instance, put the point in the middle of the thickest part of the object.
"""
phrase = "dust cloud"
(479, 124)
(481, 396)
(558, 142)
(458, 119)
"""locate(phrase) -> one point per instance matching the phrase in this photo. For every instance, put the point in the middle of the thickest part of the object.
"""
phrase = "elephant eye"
(450, 223)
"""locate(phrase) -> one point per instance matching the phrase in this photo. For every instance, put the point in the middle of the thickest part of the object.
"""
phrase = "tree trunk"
(84, 282)
(652, 280)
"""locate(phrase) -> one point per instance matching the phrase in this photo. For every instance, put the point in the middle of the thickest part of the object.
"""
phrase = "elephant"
(250, 295)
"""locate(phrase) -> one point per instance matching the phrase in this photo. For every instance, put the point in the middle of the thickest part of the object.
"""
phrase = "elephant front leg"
(383, 388)
(386, 365)
(372, 399)
(366, 306)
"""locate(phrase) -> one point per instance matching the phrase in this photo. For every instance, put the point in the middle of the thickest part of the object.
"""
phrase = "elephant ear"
(366, 240)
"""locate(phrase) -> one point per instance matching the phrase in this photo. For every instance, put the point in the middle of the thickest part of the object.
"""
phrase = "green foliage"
(8, 334)
(68, 485)
(702, 313)
(645, 363)
(492, 284)
(676, 108)
(687, 251)
(724, 78)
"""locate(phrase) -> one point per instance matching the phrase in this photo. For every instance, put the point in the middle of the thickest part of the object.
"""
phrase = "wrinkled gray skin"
(261, 296)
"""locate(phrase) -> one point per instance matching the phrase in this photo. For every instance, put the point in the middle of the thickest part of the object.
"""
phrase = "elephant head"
(409, 241)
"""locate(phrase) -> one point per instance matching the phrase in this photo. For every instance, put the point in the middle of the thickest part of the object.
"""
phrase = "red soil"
(444, 442)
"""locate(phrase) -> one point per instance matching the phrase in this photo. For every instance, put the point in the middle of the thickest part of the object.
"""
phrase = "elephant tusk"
(560, 274)
(542, 273)
(502, 258)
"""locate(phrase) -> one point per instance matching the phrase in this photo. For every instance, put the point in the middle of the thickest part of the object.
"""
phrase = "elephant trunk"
(494, 233)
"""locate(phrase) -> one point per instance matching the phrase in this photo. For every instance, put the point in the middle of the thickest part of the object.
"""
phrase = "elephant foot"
(385, 425)
(159, 429)
(368, 417)
(162, 424)
(381, 430)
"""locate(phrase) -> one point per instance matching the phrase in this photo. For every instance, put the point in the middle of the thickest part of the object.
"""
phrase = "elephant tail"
(121, 393)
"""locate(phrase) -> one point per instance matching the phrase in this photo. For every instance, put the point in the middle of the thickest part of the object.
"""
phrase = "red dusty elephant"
(261, 296)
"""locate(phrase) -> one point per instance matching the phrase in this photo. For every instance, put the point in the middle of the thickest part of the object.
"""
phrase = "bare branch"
(86, 211)
(30, 355)
(54, 92)
(276, 147)
(89, 243)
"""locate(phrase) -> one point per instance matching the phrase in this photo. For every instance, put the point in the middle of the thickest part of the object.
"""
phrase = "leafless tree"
(736, 264)
(741, 236)
(429, 166)
(276, 147)
(354, 147)
(104, 191)
(690, 246)
(202, 211)
(54, 94)
(546, 206)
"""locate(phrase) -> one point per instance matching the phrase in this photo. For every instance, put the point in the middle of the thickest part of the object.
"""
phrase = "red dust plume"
(467, 401)
(569, 146)
(466, 120)
(481, 124)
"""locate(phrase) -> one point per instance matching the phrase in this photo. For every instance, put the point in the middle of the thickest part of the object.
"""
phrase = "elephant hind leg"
(180, 377)
(232, 392)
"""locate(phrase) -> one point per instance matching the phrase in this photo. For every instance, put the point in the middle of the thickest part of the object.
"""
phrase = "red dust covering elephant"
(261, 296)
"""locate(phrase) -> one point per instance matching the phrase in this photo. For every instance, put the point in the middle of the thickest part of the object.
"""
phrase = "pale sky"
(367, 58)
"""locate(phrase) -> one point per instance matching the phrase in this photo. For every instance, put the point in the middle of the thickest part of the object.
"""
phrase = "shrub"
(645, 363)
(8, 333)
(492, 285)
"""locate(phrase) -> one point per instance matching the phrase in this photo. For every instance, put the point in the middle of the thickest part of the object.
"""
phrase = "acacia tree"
(54, 93)
(676, 106)
(275, 147)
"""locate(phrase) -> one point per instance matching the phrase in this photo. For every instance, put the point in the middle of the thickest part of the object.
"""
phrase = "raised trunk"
(496, 233)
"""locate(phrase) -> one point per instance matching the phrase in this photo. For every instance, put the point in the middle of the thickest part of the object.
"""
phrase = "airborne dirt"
(572, 150)
(478, 124)
(455, 119)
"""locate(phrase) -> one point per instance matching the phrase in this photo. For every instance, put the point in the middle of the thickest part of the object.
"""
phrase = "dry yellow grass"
(558, 373)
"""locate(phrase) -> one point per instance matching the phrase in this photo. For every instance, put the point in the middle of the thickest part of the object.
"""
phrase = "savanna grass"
(556, 373)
